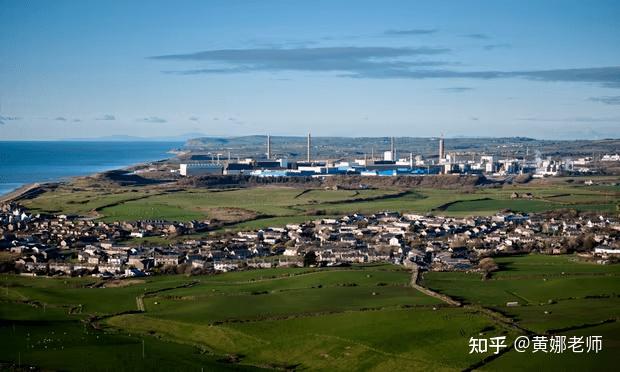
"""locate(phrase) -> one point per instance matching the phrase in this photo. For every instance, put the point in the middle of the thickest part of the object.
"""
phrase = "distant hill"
(341, 147)
(120, 138)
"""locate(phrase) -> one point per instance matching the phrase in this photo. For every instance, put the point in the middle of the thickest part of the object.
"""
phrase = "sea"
(24, 162)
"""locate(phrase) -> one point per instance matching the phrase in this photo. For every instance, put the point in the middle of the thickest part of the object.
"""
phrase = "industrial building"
(388, 165)
(199, 169)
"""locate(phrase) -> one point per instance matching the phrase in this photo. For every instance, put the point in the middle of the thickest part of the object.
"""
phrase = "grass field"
(51, 339)
(556, 295)
(513, 361)
(362, 317)
(43, 323)
(261, 207)
(319, 319)
(320, 292)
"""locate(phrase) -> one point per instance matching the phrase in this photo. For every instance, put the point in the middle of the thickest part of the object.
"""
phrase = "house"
(133, 272)
(167, 259)
(395, 242)
(140, 263)
(260, 265)
(225, 266)
(291, 251)
(138, 234)
(61, 267)
(199, 264)
(109, 268)
(603, 250)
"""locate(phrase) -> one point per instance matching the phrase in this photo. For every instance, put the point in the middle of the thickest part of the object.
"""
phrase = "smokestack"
(308, 149)
(392, 149)
(442, 150)
(268, 147)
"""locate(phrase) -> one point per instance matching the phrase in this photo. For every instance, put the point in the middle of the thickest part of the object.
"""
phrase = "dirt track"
(428, 292)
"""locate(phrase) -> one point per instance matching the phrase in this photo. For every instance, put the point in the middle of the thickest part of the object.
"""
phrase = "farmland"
(259, 207)
(251, 316)
(556, 295)
(359, 317)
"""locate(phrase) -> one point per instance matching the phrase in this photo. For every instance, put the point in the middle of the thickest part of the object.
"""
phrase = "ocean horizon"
(25, 162)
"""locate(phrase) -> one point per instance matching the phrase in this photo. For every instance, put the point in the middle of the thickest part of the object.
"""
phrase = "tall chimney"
(308, 149)
(268, 147)
(442, 153)
(392, 149)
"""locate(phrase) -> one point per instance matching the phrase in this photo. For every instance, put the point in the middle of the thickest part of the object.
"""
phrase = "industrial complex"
(387, 163)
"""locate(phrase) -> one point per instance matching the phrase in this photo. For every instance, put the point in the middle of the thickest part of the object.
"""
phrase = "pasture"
(359, 317)
(260, 207)
(337, 318)
(55, 341)
(556, 295)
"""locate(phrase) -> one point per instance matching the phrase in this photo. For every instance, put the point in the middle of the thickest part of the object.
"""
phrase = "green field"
(362, 317)
(43, 322)
(513, 361)
(556, 295)
(332, 318)
(261, 207)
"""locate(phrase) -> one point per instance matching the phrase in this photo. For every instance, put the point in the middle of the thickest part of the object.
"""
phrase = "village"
(71, 245)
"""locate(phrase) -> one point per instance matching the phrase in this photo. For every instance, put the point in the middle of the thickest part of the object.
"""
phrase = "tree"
(589, 243)
(574, 243)
(487, 265)
(310, 259)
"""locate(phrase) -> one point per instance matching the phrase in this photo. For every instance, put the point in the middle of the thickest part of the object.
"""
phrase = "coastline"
(31, 189)
(28, 165)
(23, 191)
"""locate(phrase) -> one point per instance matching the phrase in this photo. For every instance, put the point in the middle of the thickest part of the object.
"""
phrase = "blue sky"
(543, 69)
